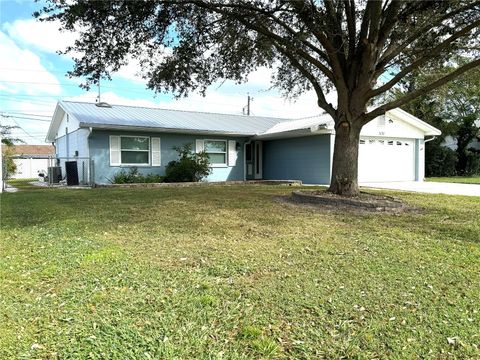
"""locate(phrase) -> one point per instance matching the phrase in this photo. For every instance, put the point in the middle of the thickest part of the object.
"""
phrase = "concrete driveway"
(428, 187)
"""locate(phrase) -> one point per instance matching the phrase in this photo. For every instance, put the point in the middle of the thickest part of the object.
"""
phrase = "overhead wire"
(24, 118)
(26, 132)
(26, 114)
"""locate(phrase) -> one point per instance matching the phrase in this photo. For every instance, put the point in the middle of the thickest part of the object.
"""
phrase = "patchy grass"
(456, 179)
(24, 184)
(228, 272)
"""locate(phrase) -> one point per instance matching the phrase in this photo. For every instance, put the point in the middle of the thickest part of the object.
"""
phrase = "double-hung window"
(216, 151)
(135, 150)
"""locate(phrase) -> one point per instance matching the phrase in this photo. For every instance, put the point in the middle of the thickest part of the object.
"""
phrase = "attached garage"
(386, 159)
(391, 148)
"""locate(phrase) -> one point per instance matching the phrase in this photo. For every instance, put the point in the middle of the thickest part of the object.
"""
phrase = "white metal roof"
(155, 119)
(89, 114)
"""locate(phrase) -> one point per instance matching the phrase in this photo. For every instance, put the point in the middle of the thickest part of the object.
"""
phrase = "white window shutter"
(199, 146)
(232, 152)
(115, 153)
(156, 152)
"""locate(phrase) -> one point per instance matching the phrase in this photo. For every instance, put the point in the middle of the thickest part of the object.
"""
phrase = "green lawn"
(228, 272)
(456, 179)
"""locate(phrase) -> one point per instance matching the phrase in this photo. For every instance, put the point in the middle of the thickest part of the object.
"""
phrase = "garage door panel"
(388, 159)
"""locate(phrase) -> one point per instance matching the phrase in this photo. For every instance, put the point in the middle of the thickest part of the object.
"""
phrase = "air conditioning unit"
(54, 174)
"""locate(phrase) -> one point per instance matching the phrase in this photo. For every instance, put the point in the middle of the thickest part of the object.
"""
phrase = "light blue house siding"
(305, 158)
(99, 144)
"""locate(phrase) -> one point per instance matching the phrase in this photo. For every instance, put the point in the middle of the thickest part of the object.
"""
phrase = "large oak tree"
(324, 45)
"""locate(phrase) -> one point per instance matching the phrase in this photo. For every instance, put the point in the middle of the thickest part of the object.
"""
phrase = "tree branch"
(306, 16)
(419, 62)
(396, 49)
(351, 28)
(322, 101)
(259, 28)
(403, 100)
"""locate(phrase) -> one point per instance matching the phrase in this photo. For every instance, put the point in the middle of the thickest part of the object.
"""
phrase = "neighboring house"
(31, 160)
(115, 137)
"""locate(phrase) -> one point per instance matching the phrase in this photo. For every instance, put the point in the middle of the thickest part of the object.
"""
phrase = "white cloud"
(111, 98)
(268, 103)
(261, 77)
(33, 129)
(22, 71)
(132, 71)
(217, 102)
(43, 35)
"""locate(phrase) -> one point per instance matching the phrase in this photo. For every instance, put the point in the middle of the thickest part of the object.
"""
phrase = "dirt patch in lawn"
(365, 202)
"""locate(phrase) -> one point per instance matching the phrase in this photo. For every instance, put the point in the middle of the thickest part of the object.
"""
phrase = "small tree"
(9, 165)
(190, 167)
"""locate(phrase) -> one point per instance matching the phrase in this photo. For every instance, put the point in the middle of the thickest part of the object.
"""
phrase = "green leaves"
(190, 167)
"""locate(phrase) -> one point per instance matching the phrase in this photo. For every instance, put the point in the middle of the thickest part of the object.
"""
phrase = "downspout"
(50, 162)
(90, 162)
(417, 157)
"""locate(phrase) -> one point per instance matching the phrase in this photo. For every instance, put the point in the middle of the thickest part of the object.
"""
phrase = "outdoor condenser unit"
(54, 174)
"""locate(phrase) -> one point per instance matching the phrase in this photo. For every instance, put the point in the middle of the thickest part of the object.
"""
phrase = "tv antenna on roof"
(246, 109)
(98, 100)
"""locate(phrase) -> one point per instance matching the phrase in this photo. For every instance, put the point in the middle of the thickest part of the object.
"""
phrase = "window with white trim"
(216, 151)
(135, 150)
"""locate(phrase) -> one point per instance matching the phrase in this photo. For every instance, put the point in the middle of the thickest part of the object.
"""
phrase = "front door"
(249, 161)
(258, 160)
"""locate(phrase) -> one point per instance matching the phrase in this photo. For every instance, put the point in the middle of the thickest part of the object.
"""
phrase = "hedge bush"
(190, 167)
(439, 160)
(133, 176)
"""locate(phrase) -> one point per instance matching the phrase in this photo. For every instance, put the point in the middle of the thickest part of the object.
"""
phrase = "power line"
(63, 84)
(24, 118)
(31, 70)
(33, 101)
(36, 83)
(33, 137)
(21, 95)
(20, 113)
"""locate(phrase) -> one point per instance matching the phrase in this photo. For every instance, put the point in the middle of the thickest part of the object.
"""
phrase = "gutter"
(307, 131)
(164, 130)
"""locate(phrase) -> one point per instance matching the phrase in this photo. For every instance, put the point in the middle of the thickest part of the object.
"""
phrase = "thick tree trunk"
(344, 179)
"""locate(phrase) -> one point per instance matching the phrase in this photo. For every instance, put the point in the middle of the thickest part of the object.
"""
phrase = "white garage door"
(386, 160)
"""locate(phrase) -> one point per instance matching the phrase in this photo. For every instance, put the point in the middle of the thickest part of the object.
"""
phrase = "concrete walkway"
(428, 187)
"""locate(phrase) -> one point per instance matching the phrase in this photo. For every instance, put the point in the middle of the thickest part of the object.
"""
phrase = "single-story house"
(31, 160)
(116, 137)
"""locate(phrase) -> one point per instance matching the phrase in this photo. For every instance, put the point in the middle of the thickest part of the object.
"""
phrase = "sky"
(33, 79)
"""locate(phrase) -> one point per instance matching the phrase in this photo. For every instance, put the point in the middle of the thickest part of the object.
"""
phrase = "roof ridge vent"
(103, 104)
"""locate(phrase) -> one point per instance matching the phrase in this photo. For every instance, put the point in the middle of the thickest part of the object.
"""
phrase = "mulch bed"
(364, 202)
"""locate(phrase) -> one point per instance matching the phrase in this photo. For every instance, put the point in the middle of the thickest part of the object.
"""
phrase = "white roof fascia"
(291, 134)
(164, 130)
(314, 124)
(56, 121)
(54, 124)
(400, 114)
